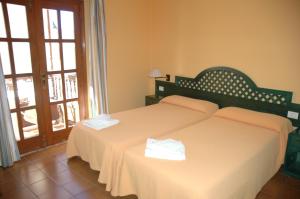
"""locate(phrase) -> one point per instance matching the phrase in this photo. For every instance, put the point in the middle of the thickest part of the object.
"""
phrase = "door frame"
(38, 58)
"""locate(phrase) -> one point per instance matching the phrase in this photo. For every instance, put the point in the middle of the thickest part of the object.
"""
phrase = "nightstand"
(292, 156)
(152, 99)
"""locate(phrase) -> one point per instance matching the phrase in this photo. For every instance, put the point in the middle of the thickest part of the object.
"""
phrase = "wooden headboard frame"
(226, 86)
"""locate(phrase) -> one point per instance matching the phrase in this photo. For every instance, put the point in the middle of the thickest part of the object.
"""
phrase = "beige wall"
(183, 37)
(128, 45)
(259, 37)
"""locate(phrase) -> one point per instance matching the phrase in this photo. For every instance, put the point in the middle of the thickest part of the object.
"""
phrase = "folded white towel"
(168, 149)
(100, 122)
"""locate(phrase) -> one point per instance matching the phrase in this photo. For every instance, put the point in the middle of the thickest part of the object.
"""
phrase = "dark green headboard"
(228, 87)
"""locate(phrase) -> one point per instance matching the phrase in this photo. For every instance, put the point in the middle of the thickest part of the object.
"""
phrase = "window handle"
(43, 78)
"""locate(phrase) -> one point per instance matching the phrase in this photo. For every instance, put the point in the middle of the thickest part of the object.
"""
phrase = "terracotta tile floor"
(48, 174)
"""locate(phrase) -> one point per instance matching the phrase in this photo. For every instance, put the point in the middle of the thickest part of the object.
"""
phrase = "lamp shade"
(155, 73)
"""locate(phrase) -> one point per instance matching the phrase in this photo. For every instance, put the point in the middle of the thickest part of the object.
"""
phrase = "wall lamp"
(155, 73)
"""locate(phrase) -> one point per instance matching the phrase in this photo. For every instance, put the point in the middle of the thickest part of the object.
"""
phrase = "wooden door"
(62, 71)
(42, 57)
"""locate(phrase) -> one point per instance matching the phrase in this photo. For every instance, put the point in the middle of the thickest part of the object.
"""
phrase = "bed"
(229, 156)
(216, 167)
(104, 149)
(221, 85)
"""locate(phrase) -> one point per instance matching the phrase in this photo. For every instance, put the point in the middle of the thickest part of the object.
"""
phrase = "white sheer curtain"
(9, 152)
(96, 57)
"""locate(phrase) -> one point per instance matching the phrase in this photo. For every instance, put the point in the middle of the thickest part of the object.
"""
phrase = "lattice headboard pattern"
(231, 82)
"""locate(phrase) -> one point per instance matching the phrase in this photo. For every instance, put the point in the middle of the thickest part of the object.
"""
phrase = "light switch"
(293, 115)
(161, 88)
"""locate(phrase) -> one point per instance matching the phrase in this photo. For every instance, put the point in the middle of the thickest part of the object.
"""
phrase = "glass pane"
(22, 57)
(55, 87)
(10, 93)
(17, 20)
(58, 117)
(5, 58)
(50, 24)
(73, 113)
(67, 24)
(14, 119)
(69, 56)
(26, 91)
(2, 25)
(29, 122)
(52, 56)
(71, 85)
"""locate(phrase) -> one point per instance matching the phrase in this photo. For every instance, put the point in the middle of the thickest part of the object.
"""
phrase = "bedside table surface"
(152, 99)
(154, 96)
